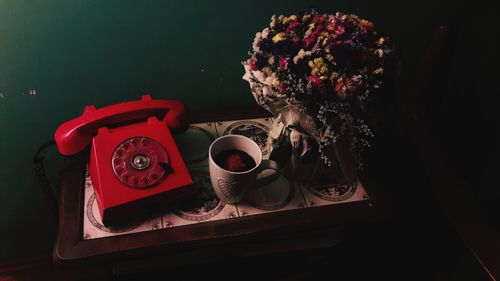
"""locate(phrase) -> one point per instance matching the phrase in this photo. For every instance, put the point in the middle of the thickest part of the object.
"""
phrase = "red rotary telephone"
(134, 162)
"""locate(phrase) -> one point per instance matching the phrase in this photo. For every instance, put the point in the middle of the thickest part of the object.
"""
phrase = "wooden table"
(292, 230)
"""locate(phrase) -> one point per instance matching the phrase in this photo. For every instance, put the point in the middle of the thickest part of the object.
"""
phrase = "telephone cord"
(42, 178)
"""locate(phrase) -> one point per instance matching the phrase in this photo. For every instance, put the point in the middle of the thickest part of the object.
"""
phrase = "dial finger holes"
(137, 162)
(117, 161)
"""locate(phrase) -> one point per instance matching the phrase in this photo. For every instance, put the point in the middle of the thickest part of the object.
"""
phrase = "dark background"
(76, 53)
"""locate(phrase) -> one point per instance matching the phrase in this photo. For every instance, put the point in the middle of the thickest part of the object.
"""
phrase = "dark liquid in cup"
(234, 160)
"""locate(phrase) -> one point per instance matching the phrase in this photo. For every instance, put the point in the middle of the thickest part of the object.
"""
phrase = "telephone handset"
(134, 162)
(74, 135)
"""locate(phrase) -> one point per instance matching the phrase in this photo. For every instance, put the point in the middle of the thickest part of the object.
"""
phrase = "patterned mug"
(231, 186)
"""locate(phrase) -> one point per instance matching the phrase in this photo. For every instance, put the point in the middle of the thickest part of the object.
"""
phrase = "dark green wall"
(75, 53)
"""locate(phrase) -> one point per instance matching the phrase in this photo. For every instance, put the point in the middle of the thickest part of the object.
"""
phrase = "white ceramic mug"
(230, 186)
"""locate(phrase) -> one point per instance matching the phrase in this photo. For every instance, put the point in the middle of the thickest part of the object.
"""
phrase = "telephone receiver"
(76, 134)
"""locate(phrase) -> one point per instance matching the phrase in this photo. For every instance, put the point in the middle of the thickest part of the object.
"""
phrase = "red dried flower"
(331, 25)
(283, 88)
(310, 40)
(345, 88)
(283, 64)
(292, 26)
(252, 64)
(315, 82)
(339, 30)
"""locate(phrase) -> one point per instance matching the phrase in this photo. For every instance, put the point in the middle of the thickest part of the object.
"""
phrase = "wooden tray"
(257, 230)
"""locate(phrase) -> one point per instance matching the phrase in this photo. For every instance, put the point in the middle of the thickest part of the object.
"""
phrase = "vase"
(338, 166)
(300, 156)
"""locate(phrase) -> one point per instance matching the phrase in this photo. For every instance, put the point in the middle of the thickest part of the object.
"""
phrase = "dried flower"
(325, 66)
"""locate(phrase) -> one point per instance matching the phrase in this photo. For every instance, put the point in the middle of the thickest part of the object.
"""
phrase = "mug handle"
(265, 165)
